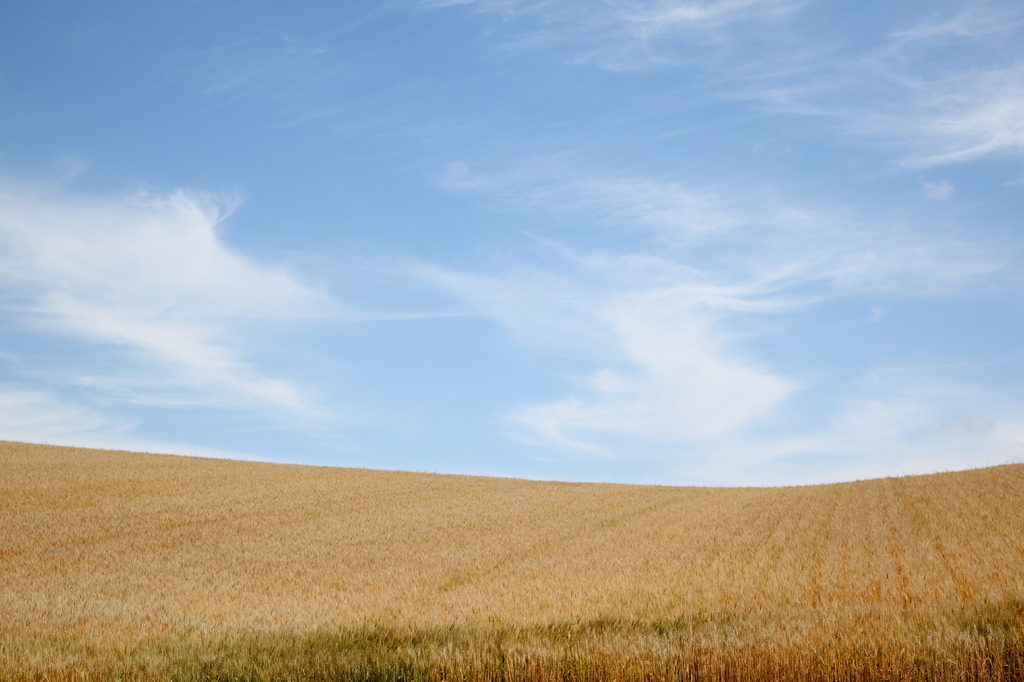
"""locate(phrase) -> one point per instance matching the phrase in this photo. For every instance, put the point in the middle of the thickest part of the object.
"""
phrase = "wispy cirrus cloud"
(665, 369)
(38, 416)
(667, 325)
(966, 117)
(937, 92)
(975, 21)
(33, 415)
(624, 35)
(147, 277)
(549, 184)
(677, 378)
(937, 191)
(942, 92)
(956, 117)
(746, 232)
(889, 425)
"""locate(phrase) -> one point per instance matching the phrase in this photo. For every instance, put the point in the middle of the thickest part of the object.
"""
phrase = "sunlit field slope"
(137, 566)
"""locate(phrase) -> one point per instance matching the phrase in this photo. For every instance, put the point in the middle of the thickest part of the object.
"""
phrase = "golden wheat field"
(116, 565)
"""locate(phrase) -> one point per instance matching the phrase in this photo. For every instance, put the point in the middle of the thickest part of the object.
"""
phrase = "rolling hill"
(140, 566)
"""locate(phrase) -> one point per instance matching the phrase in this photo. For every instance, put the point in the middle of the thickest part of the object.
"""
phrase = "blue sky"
(720, 242)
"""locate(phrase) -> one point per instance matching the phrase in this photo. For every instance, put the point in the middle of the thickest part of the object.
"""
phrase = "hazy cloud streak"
(622, 35)
(666, 326)
(148, 274)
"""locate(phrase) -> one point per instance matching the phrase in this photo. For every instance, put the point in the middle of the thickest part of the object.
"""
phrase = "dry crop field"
(116, 565)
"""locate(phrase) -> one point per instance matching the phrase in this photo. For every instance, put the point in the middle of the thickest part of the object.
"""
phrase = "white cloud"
(962, 117)
(978, 21)
(32, 415)
(939, 93)
(894, 430)
(652, 18)
(547, 183)
(148, 275)
(666, 369)
(968, 424)
(937, 191)
(622, 35)
(667, 327)
(756, 237)
(36, 416)
(679, 380)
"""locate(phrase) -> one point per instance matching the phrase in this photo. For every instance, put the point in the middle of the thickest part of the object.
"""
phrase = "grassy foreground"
(983, 645)
(126, 566)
